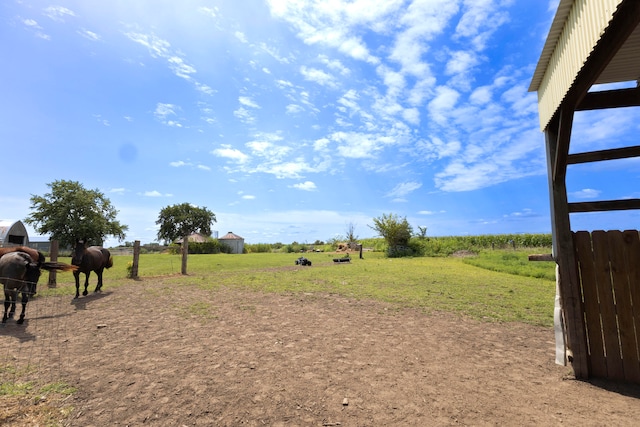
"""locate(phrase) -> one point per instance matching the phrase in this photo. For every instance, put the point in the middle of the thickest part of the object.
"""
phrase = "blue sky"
(291, 119)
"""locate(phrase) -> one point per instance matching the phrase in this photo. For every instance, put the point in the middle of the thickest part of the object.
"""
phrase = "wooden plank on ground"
(597, 361)
(622, 298)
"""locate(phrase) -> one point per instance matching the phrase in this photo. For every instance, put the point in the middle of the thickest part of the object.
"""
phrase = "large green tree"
(70, 211)
(181, 220)
(396, 231)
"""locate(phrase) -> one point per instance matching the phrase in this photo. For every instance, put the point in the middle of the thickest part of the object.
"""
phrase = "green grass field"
(499, 285)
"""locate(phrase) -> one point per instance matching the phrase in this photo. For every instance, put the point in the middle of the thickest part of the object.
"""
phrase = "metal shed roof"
(576, 30)
(231, 236)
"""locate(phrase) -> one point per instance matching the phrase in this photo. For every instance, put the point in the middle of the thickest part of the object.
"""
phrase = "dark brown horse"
(19, 273)
(88, 259)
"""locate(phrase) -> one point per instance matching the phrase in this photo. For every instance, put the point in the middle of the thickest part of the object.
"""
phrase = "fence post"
(136, 259)
(53, 254)
(185, 253)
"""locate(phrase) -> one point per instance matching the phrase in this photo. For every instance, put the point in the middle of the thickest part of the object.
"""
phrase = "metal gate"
(609, 274)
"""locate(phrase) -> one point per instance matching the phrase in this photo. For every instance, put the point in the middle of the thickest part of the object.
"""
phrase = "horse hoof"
(85, 293)
(20, 321)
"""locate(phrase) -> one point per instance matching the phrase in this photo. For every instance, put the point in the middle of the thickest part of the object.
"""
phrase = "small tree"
(350, 233)
(422, 234)
(395, 231)
(71, 211)
(181, 220)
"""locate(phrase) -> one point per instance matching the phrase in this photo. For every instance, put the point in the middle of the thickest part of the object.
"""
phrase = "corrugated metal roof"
(550, 44)
(576, 29)
(231, 236)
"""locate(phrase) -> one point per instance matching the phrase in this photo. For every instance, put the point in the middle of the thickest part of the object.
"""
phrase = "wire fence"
(35, 352)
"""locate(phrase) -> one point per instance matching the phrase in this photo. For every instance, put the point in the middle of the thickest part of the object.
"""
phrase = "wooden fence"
(609, 272)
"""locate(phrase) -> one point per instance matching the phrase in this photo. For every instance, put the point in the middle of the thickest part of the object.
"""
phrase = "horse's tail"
(54, 265)
(109, 263)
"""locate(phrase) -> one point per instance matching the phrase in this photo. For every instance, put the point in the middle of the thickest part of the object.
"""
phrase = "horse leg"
(99, 285)
(76, 275)
(86, 283)
(7, 303)
(25, 300)
(13, 296)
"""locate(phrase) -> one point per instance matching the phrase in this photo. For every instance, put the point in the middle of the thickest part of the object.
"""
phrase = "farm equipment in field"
(345, 258)
(303, 261)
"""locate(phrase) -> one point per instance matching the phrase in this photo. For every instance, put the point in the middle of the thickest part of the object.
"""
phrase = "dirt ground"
(152, 353)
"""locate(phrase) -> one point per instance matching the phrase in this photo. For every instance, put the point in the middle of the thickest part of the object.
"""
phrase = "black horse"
(19, 273)
(88, 259)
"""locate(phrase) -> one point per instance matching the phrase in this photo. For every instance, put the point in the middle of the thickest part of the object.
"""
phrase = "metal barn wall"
(13, 234)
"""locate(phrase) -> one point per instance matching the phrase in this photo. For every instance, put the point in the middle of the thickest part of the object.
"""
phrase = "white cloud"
(479, 20)
(155, 193)
(31, 23)
(244, 115)
(248, 102)
(58, 13)
(267, 149)
(228, 152)
(586, 193)
(334, 64)
(443, 103)
(89, 35)
(293, 109)
(426, 212)
(210, 11)
(160, 48)
(306, 186)
(403, 189)
(318, 76)
(240, 36)
(461, 62)
(180, 68)
(333, 25)
(481, 95)
(164, 111)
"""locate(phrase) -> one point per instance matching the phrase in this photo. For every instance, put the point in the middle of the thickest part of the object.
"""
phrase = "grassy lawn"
(494, 286)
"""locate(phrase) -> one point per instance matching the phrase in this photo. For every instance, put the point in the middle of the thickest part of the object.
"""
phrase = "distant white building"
(235, 242)
(13, 233)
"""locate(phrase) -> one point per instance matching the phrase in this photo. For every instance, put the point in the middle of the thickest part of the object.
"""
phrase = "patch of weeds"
(58, 387)
(200, 309)
(15, 389)
(41, 406)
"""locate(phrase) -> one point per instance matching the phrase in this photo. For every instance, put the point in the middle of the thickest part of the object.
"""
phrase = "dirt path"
(149, 353)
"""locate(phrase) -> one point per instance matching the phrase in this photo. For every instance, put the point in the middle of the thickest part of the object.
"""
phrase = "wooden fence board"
(609, 277)
(584, 253)
(622, 299)
(607, 305)
(632, 254)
